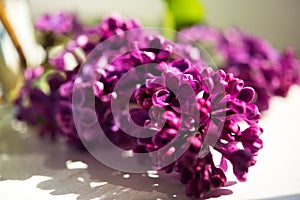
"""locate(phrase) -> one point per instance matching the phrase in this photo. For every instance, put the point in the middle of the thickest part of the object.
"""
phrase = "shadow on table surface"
(23, 155)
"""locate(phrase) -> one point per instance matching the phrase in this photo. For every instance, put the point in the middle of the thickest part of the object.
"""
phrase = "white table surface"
(31, 168)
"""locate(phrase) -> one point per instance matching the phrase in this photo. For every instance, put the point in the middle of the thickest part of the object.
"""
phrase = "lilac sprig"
(250, 58)
(189, 100)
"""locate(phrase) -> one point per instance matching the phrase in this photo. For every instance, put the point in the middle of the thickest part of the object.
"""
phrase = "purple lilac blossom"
(216, 93)
(250, 58)
(222, 93)
(58, 23)
(201, 174)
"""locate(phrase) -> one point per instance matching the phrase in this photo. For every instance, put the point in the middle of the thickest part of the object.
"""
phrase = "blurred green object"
(10, 82)
(185, 13)
(168, 23)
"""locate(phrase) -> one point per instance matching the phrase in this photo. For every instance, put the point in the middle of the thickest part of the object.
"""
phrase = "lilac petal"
(66, 89)
(232, 127)
(161, 98)
(33, 73)
(237, 106)
(246, 94)
(218, 178)
(252, 112)
(143, 56)
(196, 144)
(165, 52)
(250, 139)
(241, 161)
(182, 64)
(172, 119)
(98, 89)
(234, 87)
(223, 164)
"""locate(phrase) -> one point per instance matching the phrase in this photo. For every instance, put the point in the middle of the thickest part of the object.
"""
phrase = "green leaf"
(42, 82)
(168, 24)
(186, 12)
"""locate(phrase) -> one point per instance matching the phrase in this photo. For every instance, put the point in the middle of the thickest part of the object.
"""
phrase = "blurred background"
(274, 20)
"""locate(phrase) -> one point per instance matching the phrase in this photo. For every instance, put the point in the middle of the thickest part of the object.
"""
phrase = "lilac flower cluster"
(201, 174)
(58, 23)
(85, 41)
(189, 100)
(46, 98)
(249, 58)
